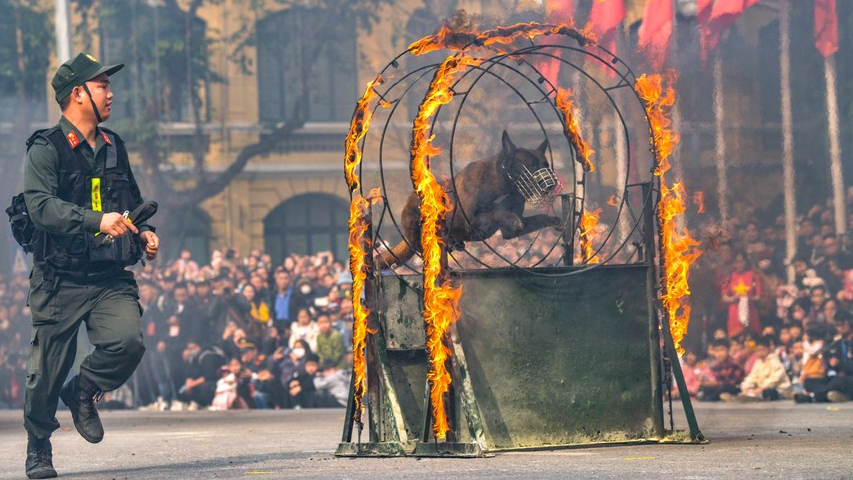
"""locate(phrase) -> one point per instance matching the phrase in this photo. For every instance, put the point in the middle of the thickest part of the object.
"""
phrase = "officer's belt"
(88, 276)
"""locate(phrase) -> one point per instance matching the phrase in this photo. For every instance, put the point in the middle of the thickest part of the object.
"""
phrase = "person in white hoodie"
(767, 380)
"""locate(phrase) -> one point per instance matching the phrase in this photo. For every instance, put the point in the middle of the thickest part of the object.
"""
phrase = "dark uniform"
(68, 186)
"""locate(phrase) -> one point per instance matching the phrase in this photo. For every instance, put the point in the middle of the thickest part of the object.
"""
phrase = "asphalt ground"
(777, 440)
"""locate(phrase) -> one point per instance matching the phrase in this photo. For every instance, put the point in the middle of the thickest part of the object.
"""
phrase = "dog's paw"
(555, 222)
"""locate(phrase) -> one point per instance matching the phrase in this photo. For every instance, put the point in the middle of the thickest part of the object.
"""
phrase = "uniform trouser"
(110, 309)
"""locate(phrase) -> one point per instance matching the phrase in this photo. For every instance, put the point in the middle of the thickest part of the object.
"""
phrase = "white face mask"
(299, 352)
(305, 289)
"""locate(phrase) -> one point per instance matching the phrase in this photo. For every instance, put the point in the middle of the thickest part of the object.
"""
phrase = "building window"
(306, 60)
(157, 82)
(307, 224)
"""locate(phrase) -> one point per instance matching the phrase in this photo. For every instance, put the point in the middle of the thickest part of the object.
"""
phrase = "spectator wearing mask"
(292, 359)
(305, 293)
(305, 329)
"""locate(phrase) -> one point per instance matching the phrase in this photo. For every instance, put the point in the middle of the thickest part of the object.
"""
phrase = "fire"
(677, 246)
(358, 129)
(441, 298)
(459, 40)
(699, 201)
(359, 242)
(612, 201)
(359, 246)
(658, 103)
(445, 38)
(572, 129)
(588, 225)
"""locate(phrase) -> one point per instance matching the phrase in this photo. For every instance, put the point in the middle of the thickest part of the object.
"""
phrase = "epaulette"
(43, 133)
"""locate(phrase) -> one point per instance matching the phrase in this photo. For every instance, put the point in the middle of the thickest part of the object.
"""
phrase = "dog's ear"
(543, 147)
(506, 143)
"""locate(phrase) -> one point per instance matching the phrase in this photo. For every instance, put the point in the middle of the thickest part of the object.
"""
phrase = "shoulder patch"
(38, 135)
(72, 139)
(39, 141)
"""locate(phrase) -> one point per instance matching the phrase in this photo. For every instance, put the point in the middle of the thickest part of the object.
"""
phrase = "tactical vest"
(106, 191)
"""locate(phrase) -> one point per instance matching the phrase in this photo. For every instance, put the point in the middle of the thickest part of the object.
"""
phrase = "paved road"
(748, 441)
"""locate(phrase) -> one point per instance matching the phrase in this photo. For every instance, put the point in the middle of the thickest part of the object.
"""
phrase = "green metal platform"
(542, 358)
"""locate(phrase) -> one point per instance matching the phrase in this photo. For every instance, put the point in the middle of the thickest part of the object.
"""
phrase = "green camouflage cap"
(77, 71)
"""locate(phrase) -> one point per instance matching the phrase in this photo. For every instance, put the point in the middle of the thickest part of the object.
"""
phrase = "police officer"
(77, 186)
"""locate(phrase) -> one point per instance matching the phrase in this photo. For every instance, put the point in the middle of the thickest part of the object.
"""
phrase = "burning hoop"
(493, 82)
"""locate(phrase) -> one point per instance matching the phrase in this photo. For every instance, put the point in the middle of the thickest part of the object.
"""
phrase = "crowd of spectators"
(239, 332)
(243, 332)
(756, 336)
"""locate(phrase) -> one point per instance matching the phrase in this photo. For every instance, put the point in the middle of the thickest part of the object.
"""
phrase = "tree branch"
(205, 190)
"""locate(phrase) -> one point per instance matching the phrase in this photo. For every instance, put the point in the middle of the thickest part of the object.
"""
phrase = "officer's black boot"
(39, 459)
(79, 395)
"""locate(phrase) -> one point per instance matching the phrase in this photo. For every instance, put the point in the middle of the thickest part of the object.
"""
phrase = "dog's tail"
(400, 254)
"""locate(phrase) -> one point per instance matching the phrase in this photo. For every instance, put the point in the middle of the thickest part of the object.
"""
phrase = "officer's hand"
(115, 224)
(152, 244)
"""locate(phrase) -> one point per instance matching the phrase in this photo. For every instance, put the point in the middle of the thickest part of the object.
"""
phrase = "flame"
(699, 201)
(612, 201)
(445, 38)
(358, 129)
(658, 103)
(441, 298)
(359, 242)
(572, 129)
(588, 225)
(677, 246)
(359, 245)
(462, 39)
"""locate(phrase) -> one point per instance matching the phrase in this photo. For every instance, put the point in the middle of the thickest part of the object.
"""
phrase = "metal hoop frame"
(624, 78)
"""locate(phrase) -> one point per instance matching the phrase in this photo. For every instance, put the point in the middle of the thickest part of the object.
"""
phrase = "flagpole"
(677, 165)
(621, 175)
(835, 146)
(787, 138)
(720, 138)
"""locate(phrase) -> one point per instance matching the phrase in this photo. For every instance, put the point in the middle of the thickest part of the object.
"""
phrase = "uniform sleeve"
(41, 184)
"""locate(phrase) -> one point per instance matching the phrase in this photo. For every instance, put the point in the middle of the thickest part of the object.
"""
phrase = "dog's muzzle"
(537, 188)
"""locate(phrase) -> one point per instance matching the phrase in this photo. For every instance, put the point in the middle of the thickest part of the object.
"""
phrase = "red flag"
(825, 27)
(655, 31)
(604, 17)
(557, 12)
(715, 19)
(703, 11)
